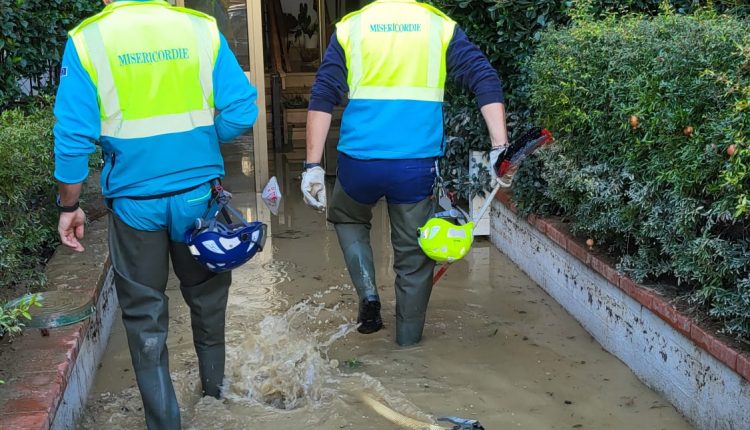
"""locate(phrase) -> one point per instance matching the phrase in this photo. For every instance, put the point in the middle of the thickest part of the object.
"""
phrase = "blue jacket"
(154, 165)
(374, 129)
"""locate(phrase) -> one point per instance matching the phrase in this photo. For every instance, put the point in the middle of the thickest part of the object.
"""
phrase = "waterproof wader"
(141, 264)
(414, 270)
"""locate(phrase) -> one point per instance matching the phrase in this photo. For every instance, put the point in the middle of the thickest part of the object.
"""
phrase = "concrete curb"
(701, 375)
(48, 377)
(89, 356)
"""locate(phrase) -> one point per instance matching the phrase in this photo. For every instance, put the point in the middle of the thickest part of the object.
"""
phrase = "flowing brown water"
(281, 365)
(496, 348)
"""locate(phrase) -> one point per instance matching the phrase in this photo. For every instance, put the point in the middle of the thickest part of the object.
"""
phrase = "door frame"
(256, 76)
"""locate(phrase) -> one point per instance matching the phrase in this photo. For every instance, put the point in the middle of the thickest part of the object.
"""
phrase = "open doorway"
(296, 34)
(280, 44)
(245, 159)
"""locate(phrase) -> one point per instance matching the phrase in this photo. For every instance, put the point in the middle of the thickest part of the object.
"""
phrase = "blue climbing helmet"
(223, 246)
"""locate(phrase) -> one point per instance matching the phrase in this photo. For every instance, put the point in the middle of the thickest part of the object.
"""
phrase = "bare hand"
(70, 228)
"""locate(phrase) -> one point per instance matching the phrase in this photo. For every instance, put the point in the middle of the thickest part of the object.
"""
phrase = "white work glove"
(314, 188)
(496, 154)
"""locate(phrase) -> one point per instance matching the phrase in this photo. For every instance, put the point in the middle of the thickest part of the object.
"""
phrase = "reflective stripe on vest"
(152, 65)
(396, 50)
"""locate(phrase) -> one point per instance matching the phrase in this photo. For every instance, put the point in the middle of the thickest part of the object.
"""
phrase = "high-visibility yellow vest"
(396, 57)
(150, 82)
(415, 70)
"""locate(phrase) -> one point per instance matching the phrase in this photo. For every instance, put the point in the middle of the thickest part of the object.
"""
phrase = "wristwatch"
(62, 208)
(307, 165)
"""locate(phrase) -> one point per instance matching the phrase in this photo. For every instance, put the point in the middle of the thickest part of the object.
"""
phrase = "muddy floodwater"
(496, 347)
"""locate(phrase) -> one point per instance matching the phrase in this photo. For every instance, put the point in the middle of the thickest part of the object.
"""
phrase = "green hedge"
(644, 112)
(508, 32)
(28, 219)
(32, 39)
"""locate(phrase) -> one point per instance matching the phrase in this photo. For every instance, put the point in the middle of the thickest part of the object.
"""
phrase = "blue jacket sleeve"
(330, 84)
(78, 123)
(234, 97)
(468, 66)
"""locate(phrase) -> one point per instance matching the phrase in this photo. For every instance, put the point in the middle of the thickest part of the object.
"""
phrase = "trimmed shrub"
(28, 219)
(508, 32)
(32, 39)
(645, 112)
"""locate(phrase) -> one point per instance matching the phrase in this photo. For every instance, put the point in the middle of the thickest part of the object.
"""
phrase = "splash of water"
(285, 365)
(278, 369)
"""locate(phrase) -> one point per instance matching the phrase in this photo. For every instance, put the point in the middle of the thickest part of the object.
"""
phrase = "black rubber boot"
(141, 266)
(355, 243)
(207, 316)
(414, 270)
(352, 221)
(369, 315)
(206, 294)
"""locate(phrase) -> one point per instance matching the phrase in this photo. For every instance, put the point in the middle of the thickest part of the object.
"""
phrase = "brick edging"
(38, 366)
(737, 361)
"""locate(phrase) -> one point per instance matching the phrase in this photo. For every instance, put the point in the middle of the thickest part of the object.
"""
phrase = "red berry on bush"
(731, 149)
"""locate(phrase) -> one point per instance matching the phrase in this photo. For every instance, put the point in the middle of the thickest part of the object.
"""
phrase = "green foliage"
(27, 215)
(11, 317)
(353, 363)
(508, 33)
(32, 38)
(664, 195)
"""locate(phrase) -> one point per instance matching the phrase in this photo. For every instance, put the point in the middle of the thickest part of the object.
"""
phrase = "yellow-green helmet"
(444, 241)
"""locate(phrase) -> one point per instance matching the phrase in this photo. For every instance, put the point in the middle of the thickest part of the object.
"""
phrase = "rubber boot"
(206, 294)
(355, 244)
(208, 304)
(369, 318)
(414, 270)
(352, 221)
(141, 266)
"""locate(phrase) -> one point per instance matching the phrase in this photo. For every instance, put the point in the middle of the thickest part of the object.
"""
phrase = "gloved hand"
(496, 156)
(314, 188)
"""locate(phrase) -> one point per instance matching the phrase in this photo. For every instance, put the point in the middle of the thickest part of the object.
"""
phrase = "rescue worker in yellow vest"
(158, 88)
(393, 58)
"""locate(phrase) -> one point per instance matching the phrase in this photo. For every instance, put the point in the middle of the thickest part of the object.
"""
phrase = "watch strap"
(62, 208)
(307, 165)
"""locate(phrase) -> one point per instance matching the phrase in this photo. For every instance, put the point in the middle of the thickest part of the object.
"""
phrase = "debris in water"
(353, 363)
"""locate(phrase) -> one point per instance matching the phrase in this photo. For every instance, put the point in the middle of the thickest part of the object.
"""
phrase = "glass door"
(246, 159)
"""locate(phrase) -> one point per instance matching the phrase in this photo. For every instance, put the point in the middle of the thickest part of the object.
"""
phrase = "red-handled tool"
(506, 168)
(518, 151)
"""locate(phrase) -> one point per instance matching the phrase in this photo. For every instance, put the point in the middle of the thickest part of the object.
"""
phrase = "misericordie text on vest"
(174, 54)
(395, 28)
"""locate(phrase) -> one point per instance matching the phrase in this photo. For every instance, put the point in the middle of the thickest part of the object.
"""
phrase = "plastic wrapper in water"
(272, 195)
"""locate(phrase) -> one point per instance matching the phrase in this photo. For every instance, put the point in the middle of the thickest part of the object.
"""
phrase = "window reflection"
(231, 17)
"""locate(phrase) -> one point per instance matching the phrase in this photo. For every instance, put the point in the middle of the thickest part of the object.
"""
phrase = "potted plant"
(305, 33)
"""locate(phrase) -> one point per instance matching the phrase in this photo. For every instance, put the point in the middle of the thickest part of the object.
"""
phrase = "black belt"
(162, 195)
